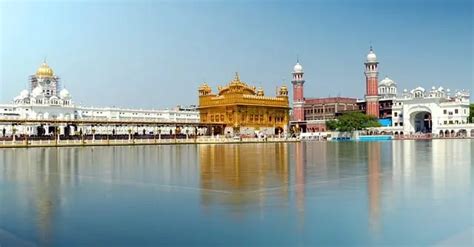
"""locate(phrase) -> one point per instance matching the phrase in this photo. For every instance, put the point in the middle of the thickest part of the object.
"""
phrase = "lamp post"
(82, 136)
(93, 134)
(176, 131)
(56, 131)
(13, 133)
(195, 133)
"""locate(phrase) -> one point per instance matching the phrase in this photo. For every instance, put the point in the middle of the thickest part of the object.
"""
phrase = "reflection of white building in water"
(46, 100)
(437, 111)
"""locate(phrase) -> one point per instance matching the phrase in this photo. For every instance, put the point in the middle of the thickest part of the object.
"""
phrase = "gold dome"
(44, 70)
(204, 89)
(204, 86)
(283, 91)
(236, 85)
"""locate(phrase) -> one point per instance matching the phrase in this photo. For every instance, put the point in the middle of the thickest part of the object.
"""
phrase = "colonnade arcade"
(72, 129)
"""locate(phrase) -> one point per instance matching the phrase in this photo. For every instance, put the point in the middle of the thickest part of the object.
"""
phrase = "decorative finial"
(297, 59)
(237, 78)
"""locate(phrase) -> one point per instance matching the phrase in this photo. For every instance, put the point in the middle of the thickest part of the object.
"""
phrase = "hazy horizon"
(155, 54)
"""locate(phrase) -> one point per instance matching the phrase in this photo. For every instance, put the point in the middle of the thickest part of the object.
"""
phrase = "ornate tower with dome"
(44, 90)
(44, 81)
(298, 93)
(48, 109)
(371, 84)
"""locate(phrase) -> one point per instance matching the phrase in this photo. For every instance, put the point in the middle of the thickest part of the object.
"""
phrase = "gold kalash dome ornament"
(44, 70)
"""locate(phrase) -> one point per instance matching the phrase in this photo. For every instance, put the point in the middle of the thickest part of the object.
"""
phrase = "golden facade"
(244, 109)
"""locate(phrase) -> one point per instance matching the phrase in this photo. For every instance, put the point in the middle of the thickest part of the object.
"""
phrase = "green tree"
(471, 113)
(332, 124)
(351, 121)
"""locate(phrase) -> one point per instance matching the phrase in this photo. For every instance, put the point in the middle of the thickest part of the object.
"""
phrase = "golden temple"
(243, 109)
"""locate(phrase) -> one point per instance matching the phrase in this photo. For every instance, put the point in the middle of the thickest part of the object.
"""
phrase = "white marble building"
(45, 100)
(437, 111)
(387, 88)
(431, 111)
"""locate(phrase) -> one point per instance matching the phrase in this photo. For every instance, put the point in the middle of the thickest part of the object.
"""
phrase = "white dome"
(37, 91)
(387, 81)
(24, 94)
(371, 57)
(64, 94)
(419, 89)
(298, 68)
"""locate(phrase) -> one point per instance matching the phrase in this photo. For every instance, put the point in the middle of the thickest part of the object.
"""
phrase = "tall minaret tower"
(371, 84)
(298, 96)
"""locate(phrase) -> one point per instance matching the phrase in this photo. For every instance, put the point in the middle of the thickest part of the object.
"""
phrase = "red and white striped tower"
(298, 96)
(371, 84)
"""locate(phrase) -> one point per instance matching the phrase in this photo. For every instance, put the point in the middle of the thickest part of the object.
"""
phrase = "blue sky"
(154, 54)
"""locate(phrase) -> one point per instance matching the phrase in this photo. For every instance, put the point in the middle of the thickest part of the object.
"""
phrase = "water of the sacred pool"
(309, 193)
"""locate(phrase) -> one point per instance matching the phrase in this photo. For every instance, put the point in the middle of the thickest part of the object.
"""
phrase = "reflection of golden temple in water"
(244, 169)
(234, 176)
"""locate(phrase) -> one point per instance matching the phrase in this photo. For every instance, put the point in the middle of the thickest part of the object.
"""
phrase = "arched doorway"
(40, 131)
(422, 122)
(278, 130)
(52, 130)
(67, 130)
(462, 133)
